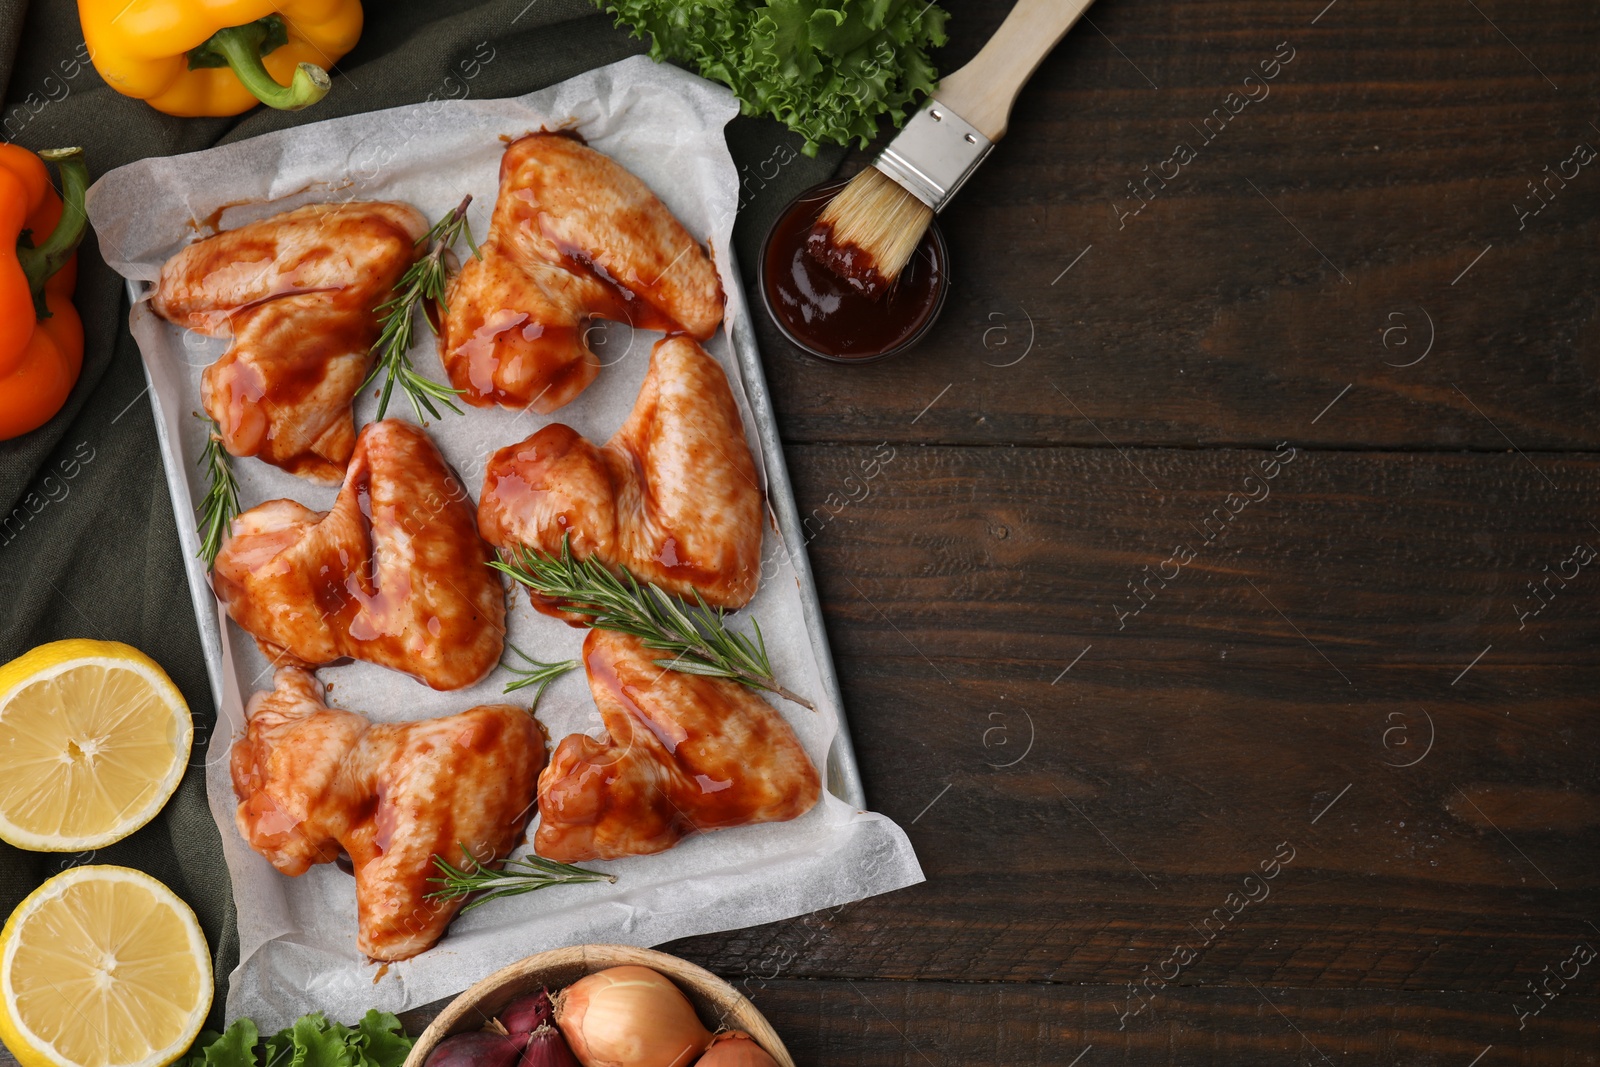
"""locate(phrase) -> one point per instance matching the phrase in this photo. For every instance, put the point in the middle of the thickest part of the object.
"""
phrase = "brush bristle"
(871, 228)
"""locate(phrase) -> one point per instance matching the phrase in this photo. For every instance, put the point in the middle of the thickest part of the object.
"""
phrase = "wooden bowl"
(719, 1004)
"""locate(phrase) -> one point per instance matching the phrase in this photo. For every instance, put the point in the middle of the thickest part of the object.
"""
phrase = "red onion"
(547, 1048)
(477, 1049)
(527, 1013)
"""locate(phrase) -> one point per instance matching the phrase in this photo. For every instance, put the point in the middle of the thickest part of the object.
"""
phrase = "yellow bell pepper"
(219, 57)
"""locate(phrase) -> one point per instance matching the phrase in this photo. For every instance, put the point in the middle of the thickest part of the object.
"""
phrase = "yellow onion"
(735, 1048)
(630, 1017)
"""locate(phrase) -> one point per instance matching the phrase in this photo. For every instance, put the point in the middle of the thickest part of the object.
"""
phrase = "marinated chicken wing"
(574, 237)
(684, 754)
(296, 292)
(312, 781)
(395, 574)
(672, 497)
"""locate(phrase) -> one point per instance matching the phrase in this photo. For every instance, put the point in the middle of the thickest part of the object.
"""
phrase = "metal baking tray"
(842, 773)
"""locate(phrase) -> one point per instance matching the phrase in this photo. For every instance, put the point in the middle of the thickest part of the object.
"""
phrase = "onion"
(527, 1013)
(735, 1048)
(547, 1048)
(630, 1017)
(477, 1049)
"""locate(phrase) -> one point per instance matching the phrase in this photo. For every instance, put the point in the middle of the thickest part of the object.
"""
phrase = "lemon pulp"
(102, 967)
(93, 740)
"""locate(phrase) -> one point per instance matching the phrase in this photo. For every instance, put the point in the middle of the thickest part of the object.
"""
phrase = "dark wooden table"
(1222, 630)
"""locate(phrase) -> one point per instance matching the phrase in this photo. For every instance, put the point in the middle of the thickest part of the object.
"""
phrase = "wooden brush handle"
(983, 91)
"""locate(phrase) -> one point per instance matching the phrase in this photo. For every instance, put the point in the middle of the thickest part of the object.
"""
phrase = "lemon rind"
(29, 1048)
(76, 653)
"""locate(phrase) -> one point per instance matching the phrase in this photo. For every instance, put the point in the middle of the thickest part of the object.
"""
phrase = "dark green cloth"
(88, 546)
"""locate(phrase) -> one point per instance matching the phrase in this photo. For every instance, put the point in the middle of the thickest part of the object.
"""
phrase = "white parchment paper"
(297, 935)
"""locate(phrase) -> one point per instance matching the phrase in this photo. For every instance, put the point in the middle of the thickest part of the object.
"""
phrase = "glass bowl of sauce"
(824, 315)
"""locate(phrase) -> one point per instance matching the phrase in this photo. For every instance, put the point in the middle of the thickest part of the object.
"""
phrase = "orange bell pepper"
(219, 57)
(41, 336)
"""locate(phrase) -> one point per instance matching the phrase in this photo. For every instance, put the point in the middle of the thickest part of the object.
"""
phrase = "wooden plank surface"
(1319, 240)
(1275, 691)
(870, 1023)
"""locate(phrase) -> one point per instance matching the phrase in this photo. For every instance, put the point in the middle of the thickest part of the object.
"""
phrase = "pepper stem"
(42, 261)
(240, 46)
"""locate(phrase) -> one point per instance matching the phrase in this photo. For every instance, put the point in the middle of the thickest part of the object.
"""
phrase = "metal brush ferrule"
(934, 155)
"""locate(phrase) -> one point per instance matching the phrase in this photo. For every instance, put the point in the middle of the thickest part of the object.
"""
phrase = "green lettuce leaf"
(828, 69)
(234, 1048)
(313, 1041)
(380, 1041)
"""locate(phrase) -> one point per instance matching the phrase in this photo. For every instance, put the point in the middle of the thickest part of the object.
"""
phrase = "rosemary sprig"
(221, 502)
(424, 281)
(540, 674)
(697, 636)
(516, 877)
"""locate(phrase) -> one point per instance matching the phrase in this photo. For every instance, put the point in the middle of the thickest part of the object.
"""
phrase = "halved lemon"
(102, 967)
(93, 740)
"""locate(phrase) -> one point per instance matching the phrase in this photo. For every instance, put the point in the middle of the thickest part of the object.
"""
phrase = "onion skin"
(547, 1048)
(735, 1048)
(630, 1017)
(479, 1049)
(527, 1013)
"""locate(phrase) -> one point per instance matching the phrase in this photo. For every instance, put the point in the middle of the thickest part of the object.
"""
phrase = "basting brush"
(867, 233)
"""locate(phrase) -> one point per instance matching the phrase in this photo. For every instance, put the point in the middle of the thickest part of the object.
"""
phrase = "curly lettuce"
(313, 1041)
(827, 69)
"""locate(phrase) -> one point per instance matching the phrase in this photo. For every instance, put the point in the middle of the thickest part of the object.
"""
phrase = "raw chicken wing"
(684, 754)
(312, 781)
(395, 574)
(296, 292)
(672, 497)
(574, 237)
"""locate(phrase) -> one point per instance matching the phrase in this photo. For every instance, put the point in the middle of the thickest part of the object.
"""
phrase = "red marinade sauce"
(828, 314)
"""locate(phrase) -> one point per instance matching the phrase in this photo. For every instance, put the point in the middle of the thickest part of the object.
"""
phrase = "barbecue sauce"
(823, 312)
